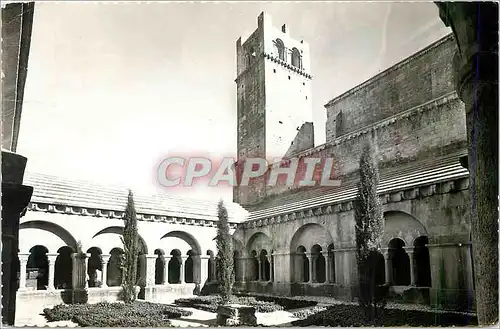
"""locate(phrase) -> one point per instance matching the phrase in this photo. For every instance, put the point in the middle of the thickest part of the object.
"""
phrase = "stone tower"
(274, 99)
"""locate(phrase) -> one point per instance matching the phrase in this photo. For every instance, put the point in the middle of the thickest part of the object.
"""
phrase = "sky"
(114, 88)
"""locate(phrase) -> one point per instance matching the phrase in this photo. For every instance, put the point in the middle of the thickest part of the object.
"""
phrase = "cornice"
(100, 213)
(420, 192)
(297, 70)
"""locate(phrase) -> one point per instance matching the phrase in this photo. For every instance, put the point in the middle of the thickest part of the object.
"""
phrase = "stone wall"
(433, 129)
(421, 77)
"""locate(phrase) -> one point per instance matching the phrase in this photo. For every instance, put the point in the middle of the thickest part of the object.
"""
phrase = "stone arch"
(309, 235)
(160, 266)
(66, 238)
(318, 264)
(63, 268)
(399, 224)
(94, 267)
(174, 267)
(258, 242)
(119, 230)
(280, 49)
(296, 58)
(400, 262)
(114, 271)
(422, 262)
(38, 266)
(187, 237)
(300, 265)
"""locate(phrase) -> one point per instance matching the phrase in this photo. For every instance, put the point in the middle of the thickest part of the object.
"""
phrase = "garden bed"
(137, 314)
(262, 304)
(353, 315)
(212, 302)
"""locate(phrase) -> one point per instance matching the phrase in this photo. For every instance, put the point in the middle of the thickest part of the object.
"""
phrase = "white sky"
(113, 88)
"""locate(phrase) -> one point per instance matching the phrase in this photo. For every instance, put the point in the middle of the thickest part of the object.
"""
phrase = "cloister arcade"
(313, 258)
(50, 263)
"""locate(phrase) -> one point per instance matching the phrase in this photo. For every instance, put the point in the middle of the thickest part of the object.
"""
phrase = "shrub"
(211, 303)
(304, 313)
(130, 242)
(137, 314)
(369, 229)
(352, 315)
(225, 273)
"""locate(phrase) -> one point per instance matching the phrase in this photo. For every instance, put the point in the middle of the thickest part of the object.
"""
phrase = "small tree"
(130, 242)
(369, 229)
(224, 254)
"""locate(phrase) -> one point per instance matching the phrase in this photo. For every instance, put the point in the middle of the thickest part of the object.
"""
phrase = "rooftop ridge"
(392, 68)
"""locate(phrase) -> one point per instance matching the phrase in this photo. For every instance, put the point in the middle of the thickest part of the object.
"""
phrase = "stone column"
(23, 262)
(259, 278)
(243, 268)
(328, 267)
(412, 266)
(388, 268)
(52, 270)
(16, 39)
(150, 270)
(204, 269)
(165, 269)
(310, 259)
(475, 27)
(79, 270)
(271, 268)
(181, 270)
(104, 263)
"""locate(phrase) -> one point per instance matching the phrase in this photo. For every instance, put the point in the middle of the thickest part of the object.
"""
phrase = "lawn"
(137, 314)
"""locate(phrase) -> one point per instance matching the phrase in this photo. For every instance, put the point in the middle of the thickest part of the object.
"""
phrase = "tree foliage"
(224, 244)
(369, 229)
(130, 242)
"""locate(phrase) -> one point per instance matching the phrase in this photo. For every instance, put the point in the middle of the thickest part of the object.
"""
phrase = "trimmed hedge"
(305, 313)
(210, 303)
(137, 314)
(286, 303)
(353, 315)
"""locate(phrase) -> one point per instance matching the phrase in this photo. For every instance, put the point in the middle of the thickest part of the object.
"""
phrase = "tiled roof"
(423, 173)
(54, 190)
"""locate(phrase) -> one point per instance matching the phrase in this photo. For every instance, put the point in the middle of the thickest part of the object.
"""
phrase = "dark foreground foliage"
(287, 303)
(136, 314)
(354, 315)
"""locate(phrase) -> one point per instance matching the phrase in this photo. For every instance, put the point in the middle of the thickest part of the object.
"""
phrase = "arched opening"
(236, 260)
(377, 261)
(422, 262)
(331, 258)
(254, 266)
(318, 264)
(400, 263)
(160, 267)
(174, 267)
(280, 49)
(94, 267)
(296, 58)
(37, 267)
(141, 270)
(211, 266)
(63, 269)
(189, 268)
(114, 269)
(265, 266)
(302, 269)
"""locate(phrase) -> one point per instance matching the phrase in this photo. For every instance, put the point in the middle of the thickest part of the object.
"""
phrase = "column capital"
(151, 256)
(52, 257)
(105, 259)
(23, 257)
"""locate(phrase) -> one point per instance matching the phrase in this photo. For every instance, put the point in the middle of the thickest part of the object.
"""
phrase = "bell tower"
(274, 98)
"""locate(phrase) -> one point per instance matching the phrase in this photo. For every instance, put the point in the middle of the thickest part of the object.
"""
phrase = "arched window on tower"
(296, 58)
(280, 49)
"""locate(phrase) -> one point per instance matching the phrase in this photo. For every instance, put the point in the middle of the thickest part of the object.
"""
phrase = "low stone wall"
(170, 292)
(32, 302)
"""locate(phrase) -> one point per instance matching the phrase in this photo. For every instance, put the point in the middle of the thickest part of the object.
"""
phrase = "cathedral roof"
(401, 178)
(57, 191)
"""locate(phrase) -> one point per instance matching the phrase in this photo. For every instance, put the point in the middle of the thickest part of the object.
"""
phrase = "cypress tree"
(130, 242)
(369, 229)
(224, 254)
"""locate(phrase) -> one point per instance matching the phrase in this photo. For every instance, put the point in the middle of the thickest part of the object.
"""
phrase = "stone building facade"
(301, 241)
(287, 241)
